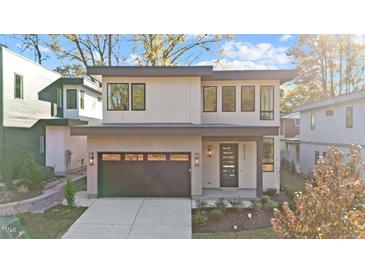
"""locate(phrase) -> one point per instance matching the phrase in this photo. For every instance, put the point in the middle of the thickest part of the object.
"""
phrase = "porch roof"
(174, 129)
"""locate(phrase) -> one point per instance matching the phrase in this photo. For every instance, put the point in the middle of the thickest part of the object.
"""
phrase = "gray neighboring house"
(336, 122)
(289, 139)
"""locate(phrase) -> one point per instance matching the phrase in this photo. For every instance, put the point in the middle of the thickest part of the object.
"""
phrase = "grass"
(51, 224)
(292, 181)
(80, 185)
(262, 233)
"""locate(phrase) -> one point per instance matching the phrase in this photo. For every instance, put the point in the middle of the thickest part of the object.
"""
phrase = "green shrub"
(200, 204)
(70, 193)
(256, 204)
(221, 204)
(236, 202)
(10, 172)
(264, 199)
(48, 173)
(31, 172)
(270, 192)
(271, 204)
(199, 218)
(264, 202)
(217, 214)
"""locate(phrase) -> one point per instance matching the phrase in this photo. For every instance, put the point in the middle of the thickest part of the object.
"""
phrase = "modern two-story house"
(336, 122)
(34, 119)
(180, 131)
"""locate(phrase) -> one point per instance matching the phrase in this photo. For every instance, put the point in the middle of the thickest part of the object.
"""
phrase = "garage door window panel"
(111, 157)
(156, 157)
(133, 157)
(179, 157)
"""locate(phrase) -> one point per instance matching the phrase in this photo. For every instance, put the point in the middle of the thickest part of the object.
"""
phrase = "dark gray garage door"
(144, 174)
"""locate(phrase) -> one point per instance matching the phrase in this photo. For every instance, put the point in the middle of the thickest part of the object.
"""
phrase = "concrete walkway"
(135, 218)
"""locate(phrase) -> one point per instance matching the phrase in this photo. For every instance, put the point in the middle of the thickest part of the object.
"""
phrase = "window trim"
(273, 104)
(144, 96)
(254, 98)
(313, 125)
(82, 99)
(330, 112)
(216, 98)
(67, 105)
(273, 154)
(235, 99)
(107, 97)
(22, 86)
(352, 117)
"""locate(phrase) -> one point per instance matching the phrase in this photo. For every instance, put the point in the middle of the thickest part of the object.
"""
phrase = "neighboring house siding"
(238, 117)
(27, 111)
(291, 130)
(168, 100)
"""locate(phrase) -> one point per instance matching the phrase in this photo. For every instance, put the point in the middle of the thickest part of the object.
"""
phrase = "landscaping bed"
(234, 220)
(261, 233)
(10, 196)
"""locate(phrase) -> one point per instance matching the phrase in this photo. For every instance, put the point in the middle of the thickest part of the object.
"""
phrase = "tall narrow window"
(267, 103)
(71, 98)
(268, 155)
(313, 121)
(18, 86)
(118, 97)
(316, 157)
(210, 99)
(247, 98)
(82, 99)
(138, 97)
(41, 144)
(229, 99)
(349, 117)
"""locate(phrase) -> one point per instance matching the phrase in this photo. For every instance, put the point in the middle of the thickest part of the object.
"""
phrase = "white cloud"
(43, 49)
(225, 64)
(358, 38)
(285, 37)
(133, 59)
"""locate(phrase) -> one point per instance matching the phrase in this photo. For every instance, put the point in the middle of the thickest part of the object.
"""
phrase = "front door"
(228, 165)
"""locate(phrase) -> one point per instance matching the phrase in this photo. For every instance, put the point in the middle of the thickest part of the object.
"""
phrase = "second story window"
(313, 121)
(229, 99)
(349, 117)
(247, 98)
(18, 86)
(118, 96)
(267, 102)
(82, 99)
(71, 98)
(210, 99)
(138, 97)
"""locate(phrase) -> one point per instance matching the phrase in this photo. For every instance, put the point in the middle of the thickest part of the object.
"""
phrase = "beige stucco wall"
(58, 140)
(192, 144)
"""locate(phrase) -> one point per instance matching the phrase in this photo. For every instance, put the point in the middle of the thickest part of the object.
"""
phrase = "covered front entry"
(144, 174)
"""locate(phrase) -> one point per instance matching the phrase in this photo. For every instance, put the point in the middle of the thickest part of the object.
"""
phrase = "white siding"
(27, 111)
(168, 100)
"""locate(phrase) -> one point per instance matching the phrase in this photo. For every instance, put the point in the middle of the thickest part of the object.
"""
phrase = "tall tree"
(81, 51)
(34, 43)
(171, 49)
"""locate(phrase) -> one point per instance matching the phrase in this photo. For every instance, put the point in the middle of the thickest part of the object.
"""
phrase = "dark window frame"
(273, 155)
(216, 98)
(235, 99)
(82, 99)
(67, 102)
(254, 98)
(273, 104)
(144, 96)
(350, 123)
(107, 97)
(22, 86)
(313, 121)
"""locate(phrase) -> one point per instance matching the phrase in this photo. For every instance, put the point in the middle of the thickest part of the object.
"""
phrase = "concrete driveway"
(135, 218)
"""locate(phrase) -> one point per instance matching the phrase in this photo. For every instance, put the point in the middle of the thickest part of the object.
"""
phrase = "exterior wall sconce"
(210, 150)
(196, 159)
(91, 158)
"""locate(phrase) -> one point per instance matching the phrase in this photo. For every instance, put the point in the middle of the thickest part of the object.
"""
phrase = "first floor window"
(268, 155)
(247, 98)
(316, 157)
(313, 121)
(349, 117)
(210, 99)
(18, 86)
(229, 99)
(41, 144)
(71, 98)
(118, 96)
(138, 97)
(267, 102)
(82, 99)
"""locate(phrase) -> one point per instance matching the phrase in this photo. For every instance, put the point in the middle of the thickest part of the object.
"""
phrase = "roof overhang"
(61, 122)
(205, 72)
(173, 130)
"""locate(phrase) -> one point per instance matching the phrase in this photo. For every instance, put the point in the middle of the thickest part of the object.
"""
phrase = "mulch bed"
(233, 217)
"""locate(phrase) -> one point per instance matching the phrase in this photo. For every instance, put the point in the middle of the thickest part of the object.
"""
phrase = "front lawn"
(263, 233)
(51, 224)
(292, 181)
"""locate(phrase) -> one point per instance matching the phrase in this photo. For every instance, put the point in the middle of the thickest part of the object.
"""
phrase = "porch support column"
(259, 185)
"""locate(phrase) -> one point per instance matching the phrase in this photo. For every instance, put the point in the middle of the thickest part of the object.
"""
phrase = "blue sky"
(246, 51)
